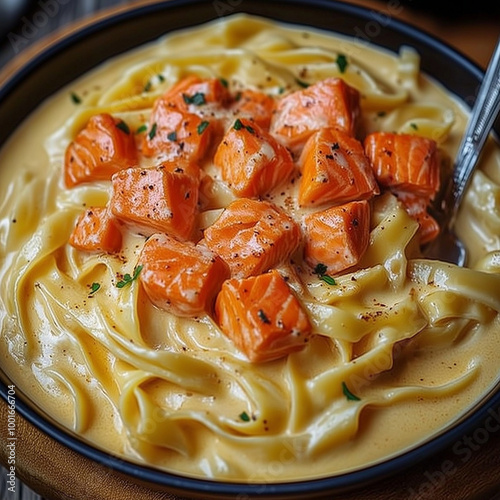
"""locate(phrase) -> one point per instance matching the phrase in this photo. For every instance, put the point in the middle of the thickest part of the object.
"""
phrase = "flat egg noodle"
(176, 382)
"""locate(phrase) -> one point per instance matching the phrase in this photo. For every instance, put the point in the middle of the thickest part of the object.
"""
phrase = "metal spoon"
(447, 247)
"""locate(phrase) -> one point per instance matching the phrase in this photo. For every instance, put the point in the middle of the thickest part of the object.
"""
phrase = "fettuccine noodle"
(401, 345)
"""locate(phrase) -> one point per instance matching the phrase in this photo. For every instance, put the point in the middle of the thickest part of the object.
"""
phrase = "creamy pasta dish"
(212, 255)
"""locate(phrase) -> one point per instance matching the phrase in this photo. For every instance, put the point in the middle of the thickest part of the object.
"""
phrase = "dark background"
(459, 16)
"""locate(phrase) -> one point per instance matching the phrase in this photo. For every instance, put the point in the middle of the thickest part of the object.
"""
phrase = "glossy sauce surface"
(415, 341)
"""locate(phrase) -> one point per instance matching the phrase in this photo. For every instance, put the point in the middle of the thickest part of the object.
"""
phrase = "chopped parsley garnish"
(342, 62)
(94, 287)
(123, 127)
(348, 394)
(127, 279)
(414, 126)
(202, 126)
(224, 82)
(197, 99)
(244, 416)
(250, 129)
(141, 129)
(149, 84)
(320, 270)
(172, 136)
(263, 317)
(238, 125)
(302, 83)
(328, 279)
(75, 98)
(152, 132)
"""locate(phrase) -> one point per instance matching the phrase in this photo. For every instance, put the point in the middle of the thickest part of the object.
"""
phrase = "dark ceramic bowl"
(85, 48)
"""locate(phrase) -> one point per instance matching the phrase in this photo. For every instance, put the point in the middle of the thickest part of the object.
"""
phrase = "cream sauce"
(38, 360)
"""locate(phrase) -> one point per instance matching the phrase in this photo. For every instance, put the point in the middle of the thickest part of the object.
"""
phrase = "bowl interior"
(82, 50)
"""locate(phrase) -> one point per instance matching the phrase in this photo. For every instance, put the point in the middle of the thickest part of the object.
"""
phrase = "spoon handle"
(484, 112)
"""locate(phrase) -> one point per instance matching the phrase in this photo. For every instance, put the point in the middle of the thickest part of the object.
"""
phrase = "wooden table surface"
(442, 479)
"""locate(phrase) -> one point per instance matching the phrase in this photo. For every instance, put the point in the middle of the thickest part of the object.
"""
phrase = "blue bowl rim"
(344, 482)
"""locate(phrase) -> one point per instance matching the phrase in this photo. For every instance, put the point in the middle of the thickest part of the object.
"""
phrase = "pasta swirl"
(175, 392)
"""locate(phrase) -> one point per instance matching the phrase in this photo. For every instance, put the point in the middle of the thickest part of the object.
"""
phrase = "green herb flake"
(238, 125)
(244, 416)
(123, 127)
(172, 136)
(414, 126)
(321, 270)
(198, 99)
(224, 82)
(328, 279)
(141, 129)
(342, 62)
(75, 98)
(152, 132)
(263, 317)
(94, 287)
(127, 279)
(202, 126)
(281, 90)
(161, 78)
(348, 394)
(148, 86)
(301, 83)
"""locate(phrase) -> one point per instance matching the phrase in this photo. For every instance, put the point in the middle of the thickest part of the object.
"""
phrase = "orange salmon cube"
(102, 148)
(180, 277)
(96, 231)
(197, 95)
(252, 236)
(404, 162)
(335, 169)
(337, 238)
(416, 206)
(156, 200)
(254, 106)
(174, 134)
(251, 161)
(327, 103)
(182, 166)
(185, 119)
(262, 316)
